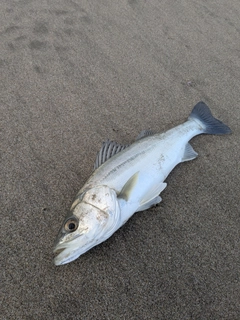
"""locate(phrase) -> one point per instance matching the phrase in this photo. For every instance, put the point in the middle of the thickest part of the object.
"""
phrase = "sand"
(74, 73)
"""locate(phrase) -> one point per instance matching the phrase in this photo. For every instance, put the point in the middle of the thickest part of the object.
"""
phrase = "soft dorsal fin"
(108, 149)
(144, 133)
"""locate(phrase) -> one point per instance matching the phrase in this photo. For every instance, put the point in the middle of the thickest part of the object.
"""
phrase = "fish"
(128, 179)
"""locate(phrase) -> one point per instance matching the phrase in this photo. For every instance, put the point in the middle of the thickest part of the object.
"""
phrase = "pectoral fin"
(128, 187)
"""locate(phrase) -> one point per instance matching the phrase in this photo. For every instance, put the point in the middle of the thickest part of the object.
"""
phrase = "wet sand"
(74, 73)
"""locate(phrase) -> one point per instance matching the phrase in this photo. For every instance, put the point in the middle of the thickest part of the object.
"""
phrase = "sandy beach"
(75, 73)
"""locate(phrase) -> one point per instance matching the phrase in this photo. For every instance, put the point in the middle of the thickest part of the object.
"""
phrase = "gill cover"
(105, 201)
(94, 218)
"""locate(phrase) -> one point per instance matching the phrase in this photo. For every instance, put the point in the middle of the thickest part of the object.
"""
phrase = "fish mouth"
(69, 251)
(57, 251)
(64, 251)
(65, 254)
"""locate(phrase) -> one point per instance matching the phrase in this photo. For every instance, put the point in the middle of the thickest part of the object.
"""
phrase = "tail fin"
(202, 114)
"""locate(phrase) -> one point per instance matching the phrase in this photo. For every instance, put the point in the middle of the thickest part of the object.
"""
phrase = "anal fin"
(189, 153)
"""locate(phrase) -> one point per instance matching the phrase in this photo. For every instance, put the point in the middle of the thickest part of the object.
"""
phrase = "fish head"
(93, 217)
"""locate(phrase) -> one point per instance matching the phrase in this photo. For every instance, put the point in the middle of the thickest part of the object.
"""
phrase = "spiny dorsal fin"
(108, 149)
(144, 133)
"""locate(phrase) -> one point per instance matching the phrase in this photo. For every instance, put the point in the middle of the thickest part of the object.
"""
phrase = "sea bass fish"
(128, 179)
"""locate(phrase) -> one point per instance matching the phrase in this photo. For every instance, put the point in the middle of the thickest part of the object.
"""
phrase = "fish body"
(127, 181)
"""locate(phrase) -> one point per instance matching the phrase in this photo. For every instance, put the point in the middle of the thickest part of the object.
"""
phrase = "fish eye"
(71, 224)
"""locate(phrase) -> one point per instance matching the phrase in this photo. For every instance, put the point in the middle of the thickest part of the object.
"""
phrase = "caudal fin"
(202, 114)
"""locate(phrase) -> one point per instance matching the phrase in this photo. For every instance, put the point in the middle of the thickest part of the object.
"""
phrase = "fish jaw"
(71, 250)
(65, 257)
(67, 252)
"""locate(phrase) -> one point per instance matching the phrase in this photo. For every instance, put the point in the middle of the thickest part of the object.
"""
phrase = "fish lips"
(72, 249)
(67, 252)
(65, 256)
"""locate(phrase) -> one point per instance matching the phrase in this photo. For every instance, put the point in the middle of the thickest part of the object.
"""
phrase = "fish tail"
(210, 125)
